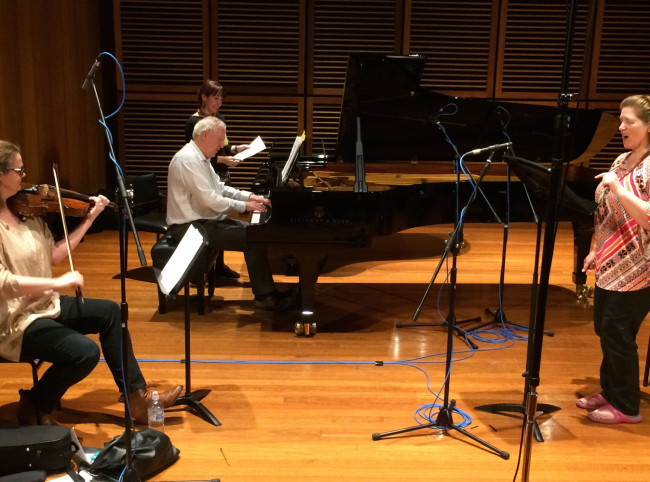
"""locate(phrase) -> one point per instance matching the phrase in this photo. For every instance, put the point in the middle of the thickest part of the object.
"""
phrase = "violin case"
(35, 448)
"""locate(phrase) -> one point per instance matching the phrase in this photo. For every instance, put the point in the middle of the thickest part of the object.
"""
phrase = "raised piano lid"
(398, 118)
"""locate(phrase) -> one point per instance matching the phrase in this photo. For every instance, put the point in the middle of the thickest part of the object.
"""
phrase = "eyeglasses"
(19, 170)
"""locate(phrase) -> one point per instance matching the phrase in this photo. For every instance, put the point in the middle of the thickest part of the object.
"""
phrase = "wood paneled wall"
(282, 63)
(46, 50)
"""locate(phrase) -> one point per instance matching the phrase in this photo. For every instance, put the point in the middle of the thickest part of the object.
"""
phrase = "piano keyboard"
(259, 217)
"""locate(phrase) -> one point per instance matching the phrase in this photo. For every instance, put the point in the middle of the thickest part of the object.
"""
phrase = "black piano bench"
(202, 271)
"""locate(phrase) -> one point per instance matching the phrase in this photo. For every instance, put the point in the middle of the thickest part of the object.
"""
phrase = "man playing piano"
(197, 195)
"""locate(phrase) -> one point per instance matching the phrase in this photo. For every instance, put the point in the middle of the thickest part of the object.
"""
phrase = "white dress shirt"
(194, 190)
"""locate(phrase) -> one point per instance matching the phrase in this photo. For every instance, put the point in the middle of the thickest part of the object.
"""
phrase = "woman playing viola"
(37, 322)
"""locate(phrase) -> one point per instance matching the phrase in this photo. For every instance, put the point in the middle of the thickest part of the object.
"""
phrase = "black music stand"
(537, 178)
(176, 275)
(444, 421)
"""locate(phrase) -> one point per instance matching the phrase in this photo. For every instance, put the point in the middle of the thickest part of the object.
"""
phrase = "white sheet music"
(177, 265)
(256, 146)
(292, 158)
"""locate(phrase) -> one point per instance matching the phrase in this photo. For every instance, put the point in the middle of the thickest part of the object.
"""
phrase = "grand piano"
(390, 124)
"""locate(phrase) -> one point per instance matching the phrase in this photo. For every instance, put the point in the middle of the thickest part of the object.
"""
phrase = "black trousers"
(617, 318)
(62, 342)
(230, 235)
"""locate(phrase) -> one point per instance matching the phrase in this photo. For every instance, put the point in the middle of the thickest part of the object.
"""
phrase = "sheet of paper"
(256, 146)
(293, 155)
(183, 255)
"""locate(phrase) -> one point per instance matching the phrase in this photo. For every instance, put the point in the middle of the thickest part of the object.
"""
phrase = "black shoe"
(26, 412)
(277, 301)
(226, 272)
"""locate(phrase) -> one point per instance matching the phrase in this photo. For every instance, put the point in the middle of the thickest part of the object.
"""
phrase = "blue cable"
(125, 390)
(117, 62)
(103, 124)
(503, 334)
(423, 415)
(442, 127)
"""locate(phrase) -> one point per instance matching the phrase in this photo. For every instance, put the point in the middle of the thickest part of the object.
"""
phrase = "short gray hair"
(207, 124)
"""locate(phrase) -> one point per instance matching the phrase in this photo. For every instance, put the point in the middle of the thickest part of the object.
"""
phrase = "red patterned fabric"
(622, 246)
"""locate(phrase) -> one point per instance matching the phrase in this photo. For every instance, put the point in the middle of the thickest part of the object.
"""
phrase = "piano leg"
(582, 234)
(310, 265)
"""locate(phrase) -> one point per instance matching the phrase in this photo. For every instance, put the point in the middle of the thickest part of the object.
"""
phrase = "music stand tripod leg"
(541, 408)
(193, 399)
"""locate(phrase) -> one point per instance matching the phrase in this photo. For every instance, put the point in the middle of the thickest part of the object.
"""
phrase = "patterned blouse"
(622, 246)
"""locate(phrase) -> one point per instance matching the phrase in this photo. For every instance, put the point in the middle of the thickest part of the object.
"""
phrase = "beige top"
(25, 250)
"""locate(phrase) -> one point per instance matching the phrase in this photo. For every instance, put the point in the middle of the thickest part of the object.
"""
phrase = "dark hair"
(208, 88)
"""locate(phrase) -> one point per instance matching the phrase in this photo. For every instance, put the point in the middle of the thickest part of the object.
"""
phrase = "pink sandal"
(608, 414)
(592, 402)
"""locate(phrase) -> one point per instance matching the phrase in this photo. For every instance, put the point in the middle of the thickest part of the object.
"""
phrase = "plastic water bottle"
(156, 413)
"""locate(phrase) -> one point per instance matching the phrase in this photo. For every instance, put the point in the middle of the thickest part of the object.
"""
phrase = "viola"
(39, 199)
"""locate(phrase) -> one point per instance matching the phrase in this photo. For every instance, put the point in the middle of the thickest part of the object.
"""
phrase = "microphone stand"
(534, 355)
(477, 188)
(130, 475)
(444, 421)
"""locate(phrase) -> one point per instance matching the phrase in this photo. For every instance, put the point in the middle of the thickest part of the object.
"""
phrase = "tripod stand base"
(502, 408)
(444, 422)
(193, 402)
(130, 475)
(459, 331)
(497, 317)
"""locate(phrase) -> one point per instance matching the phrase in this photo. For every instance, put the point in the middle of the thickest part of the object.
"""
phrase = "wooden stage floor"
(304, 409)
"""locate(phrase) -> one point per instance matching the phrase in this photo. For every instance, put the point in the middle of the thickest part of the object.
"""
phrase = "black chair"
(149, 207)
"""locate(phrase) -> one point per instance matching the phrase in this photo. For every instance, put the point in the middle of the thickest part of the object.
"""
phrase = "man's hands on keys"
(257, 203)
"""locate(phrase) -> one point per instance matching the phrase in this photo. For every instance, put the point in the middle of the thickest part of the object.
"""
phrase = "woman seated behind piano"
(38, 323)
(209, 100)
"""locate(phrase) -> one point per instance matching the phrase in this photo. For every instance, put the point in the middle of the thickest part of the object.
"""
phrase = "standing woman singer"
(621, 258)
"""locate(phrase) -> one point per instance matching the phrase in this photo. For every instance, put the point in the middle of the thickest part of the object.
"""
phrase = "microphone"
(91, 75)
(495, 147)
